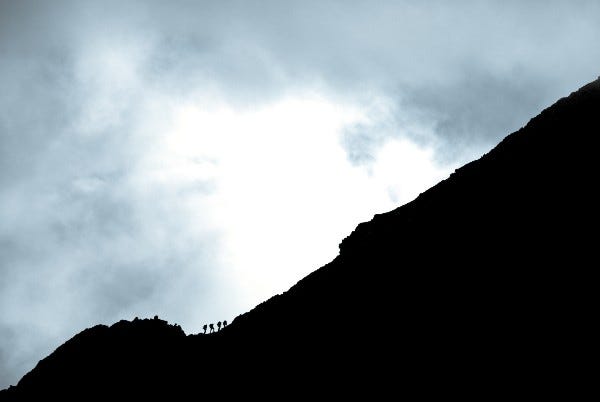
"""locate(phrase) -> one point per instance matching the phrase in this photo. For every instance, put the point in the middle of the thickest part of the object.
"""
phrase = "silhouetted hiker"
(204, 327)
(219, 325)
(212, 328)
(224, 323)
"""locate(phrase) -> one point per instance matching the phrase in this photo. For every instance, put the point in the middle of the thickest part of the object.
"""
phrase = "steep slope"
(484, 283)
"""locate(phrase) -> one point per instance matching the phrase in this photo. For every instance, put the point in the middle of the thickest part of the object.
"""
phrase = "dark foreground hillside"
(481, 287)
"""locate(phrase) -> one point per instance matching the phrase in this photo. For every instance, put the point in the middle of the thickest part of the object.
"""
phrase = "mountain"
(482, 286)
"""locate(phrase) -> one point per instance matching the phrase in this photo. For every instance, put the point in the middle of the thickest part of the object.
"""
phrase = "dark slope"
(483, 285)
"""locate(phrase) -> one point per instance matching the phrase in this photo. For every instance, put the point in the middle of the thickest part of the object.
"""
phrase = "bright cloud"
(278, 184)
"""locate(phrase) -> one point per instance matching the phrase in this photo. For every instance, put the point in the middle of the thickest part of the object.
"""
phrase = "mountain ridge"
(486, 269)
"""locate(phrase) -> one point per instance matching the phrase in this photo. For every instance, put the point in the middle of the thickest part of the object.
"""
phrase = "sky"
(191, 158)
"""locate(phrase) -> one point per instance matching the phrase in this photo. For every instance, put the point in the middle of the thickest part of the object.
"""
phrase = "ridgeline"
(480, 287)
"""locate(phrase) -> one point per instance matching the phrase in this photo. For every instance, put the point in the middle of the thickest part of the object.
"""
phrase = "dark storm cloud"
(478, 110)
(84, 238)
(464, 115)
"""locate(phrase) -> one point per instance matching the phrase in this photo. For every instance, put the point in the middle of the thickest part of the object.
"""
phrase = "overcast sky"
(190, 159)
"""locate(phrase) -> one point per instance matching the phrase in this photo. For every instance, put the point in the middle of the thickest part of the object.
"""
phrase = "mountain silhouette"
(482, 286)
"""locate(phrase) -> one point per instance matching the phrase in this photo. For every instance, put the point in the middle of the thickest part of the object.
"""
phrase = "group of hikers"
(212, 326)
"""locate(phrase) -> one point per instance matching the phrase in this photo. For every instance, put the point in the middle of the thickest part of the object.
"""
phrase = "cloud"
(176, 159)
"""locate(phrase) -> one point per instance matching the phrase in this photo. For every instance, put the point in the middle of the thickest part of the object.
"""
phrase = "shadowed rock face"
(480, 286)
